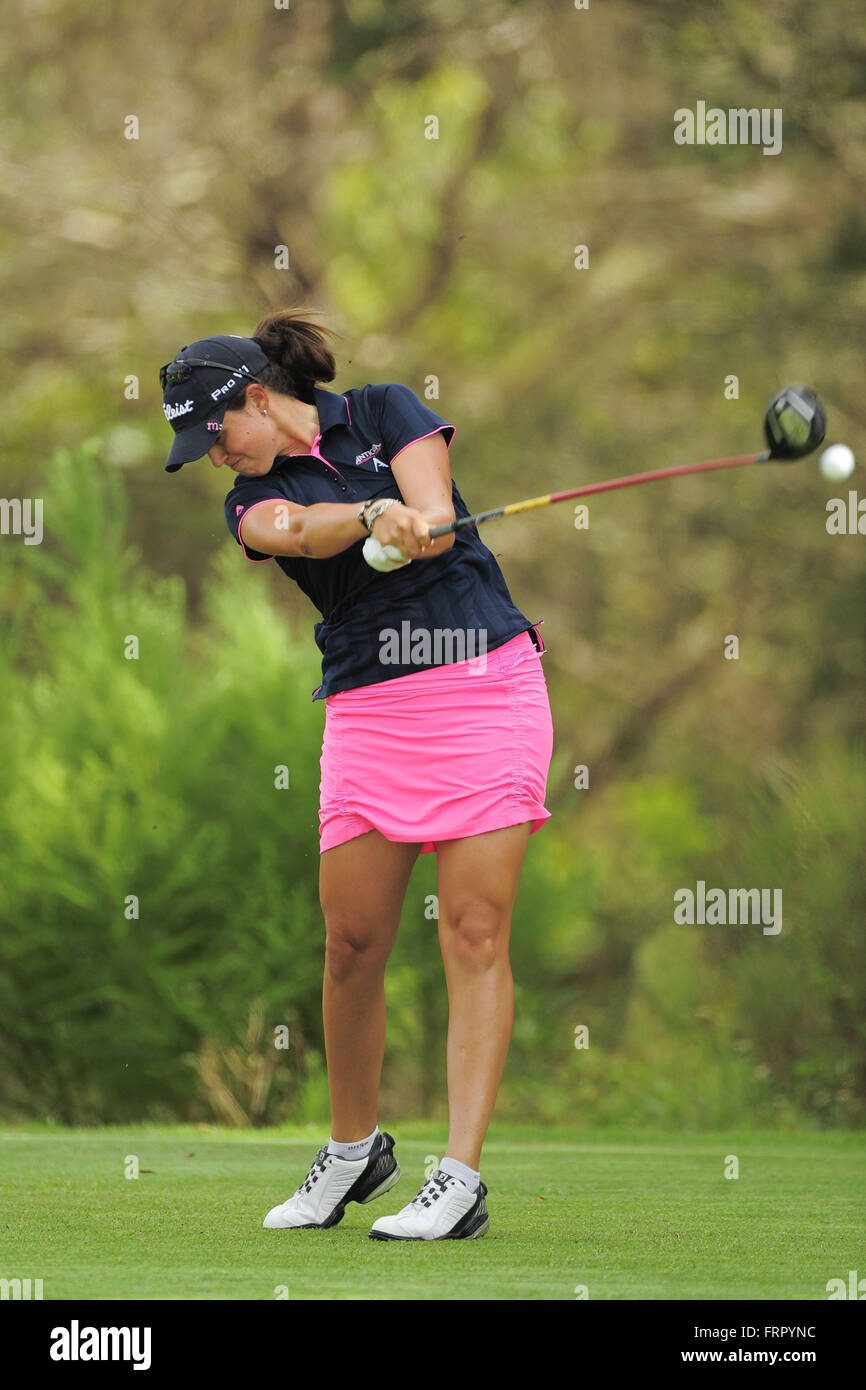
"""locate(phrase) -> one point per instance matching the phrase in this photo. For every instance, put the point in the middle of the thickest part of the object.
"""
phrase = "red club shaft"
(606, 486)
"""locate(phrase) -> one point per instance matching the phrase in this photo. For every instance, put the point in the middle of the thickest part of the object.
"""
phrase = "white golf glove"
(383, 557)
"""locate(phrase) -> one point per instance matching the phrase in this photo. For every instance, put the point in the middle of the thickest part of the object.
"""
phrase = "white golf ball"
(837, 462)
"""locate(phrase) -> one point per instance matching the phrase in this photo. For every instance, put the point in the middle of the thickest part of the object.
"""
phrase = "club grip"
(448, 526)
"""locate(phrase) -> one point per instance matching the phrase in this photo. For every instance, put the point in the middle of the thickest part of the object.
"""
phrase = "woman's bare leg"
(362, 884)
(478, 880)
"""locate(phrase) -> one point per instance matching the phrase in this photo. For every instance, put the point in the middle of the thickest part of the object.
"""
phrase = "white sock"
(359, 1148)
(466, 1175)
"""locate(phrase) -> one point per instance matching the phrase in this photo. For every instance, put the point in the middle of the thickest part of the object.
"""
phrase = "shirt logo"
(172, 411)
(238, 509)
(370, 456)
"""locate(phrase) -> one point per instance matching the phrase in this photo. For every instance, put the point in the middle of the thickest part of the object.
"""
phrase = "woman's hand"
(405, 528)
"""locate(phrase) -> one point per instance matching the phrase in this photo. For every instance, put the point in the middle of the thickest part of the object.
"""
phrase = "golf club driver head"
(794, 423)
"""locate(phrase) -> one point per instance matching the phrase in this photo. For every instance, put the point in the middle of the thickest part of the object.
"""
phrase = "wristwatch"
(371, 510)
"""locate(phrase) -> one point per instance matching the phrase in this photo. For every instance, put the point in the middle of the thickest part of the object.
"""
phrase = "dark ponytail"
(298, 355)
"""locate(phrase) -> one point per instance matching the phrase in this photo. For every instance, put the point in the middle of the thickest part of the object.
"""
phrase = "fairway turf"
(630, 1216)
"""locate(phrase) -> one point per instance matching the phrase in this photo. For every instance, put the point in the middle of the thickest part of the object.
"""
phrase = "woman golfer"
(438, 734)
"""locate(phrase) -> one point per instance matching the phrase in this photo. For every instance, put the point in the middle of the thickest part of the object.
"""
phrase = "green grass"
(630, 1215)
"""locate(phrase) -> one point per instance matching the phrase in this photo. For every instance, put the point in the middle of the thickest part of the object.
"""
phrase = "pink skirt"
(443, 753)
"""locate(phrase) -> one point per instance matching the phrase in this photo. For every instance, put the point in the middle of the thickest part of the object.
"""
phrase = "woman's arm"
(277, 527)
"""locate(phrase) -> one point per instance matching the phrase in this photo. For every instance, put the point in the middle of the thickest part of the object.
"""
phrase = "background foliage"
(452, 258)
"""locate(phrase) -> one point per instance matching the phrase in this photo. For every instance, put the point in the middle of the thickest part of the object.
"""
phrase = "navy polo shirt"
(362, 433)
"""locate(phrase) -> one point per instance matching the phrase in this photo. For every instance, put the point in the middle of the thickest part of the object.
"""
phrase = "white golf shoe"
(444, 1209)
(332, 1182)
